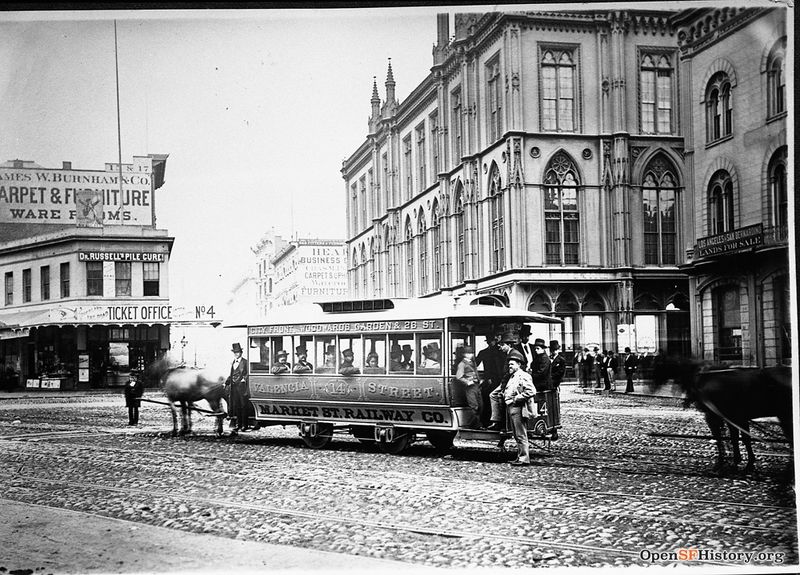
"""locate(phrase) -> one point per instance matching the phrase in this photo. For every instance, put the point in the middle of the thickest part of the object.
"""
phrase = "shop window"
(645, 327)
(64, 277)
(44, 282)
(94, 278)
(151, 274)
(593, 331)
(26, 285)
(9, 288)
(729, 324)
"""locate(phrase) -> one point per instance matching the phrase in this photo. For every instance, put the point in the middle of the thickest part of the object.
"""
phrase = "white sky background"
(256, 109)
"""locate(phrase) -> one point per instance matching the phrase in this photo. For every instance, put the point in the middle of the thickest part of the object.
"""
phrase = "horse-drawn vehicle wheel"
(441, 440)
(318, 437)
(401, 438)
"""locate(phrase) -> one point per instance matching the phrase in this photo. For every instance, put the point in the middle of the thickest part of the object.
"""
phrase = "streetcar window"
(304, 347)
(281, 350)
(458, 342)
(259, 354)
(429, 350)
(325, 346)
(375, 354)
(401, 353)
(350, 357)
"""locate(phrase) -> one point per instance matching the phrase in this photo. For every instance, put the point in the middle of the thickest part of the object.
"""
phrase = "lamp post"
(184, 341)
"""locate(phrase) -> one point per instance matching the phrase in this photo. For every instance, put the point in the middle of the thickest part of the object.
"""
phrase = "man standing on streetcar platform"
(239, 391)
(517, 396)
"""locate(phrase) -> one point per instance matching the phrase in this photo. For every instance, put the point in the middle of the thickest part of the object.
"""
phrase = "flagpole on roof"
(119, 130)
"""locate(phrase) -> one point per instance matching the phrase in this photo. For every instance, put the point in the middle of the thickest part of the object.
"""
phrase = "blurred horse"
(183, 386)
(732, 397)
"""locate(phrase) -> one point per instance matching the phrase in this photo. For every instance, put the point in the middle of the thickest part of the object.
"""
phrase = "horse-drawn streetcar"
(380, 370)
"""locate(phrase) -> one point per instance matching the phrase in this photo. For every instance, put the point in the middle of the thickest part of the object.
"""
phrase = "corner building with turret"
(540, 164)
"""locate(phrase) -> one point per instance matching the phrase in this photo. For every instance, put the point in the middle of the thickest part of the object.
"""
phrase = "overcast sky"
(256, 109)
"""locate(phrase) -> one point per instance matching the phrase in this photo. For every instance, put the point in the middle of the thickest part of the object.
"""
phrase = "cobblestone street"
(608, 493)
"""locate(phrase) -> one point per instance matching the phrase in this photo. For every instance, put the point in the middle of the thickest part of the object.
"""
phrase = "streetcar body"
(381, 370)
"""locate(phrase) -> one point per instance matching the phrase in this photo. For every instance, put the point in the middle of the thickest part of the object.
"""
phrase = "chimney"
(66, 165)
(443, 29)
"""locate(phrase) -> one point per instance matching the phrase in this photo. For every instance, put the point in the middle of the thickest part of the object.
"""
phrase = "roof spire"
(390, 98)
(375, 97)
(389, 75)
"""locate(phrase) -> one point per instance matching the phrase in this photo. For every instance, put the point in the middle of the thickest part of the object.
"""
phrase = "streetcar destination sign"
(349, 327)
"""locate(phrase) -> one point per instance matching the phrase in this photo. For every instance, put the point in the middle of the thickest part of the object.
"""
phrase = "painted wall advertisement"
(309, 270)
(35, 195)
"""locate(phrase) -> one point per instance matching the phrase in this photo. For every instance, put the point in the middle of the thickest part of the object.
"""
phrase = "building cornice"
(701, 27)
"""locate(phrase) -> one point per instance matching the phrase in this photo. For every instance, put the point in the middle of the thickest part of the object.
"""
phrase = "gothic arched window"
(460, 247)
(435, 240)
(409, 259)
(778, 197)
(496, 241)
(423, 253)
(719, 107)
(561, 216)
(776, 79)
(659, 193)
(558, 90)
(720, 203)
(655, 83)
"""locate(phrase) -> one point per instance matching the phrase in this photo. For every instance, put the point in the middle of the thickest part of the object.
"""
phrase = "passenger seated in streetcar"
(396, 359)
(432, 355)
(281, 365)
(372, 363)
(347, 367)
(407, 363)
(328, 361)
(302, 365)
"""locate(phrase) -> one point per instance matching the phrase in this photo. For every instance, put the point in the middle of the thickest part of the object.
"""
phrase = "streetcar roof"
(397, 309)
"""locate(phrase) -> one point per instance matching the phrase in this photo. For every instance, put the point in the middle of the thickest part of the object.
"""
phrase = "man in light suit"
(517, 396)
(239, 388)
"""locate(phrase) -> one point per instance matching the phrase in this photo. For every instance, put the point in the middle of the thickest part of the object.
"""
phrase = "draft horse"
(183, 386)
(732, 397)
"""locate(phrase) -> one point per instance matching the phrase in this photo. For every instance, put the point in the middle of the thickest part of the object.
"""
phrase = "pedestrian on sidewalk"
(133, 397)
(599, 368)
(630, 369)
(611, 367)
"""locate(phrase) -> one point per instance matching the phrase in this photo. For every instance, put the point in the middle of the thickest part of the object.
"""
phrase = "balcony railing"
(776, 235)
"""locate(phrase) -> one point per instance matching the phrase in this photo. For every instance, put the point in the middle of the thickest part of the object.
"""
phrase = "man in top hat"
(493, 361)
(558, 365)
(347, 367)
(525, 347)
(302, 365)
(281, 365)
(407, 363)
(540, 366)
(239, 391)
(630, 368)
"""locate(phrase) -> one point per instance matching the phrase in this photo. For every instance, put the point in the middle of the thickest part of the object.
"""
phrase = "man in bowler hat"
(302, 365)
(239, 391)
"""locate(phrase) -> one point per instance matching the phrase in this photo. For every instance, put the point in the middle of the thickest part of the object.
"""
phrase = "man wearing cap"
(467, 375)
(302, 365)
(347, 367)
(540, 366)
(281, 365)
(517, 397)
(239, 391)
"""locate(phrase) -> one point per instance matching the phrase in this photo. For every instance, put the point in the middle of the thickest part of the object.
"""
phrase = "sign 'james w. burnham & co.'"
(36, 195)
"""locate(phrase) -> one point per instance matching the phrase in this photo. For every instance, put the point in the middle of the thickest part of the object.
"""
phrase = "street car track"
(316, 516)
(160, 458)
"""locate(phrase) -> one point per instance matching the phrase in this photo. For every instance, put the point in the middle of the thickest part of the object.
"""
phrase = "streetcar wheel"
(363, 433)
(441, 440)
(322, 438)
(397, 445)
(539, 427)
